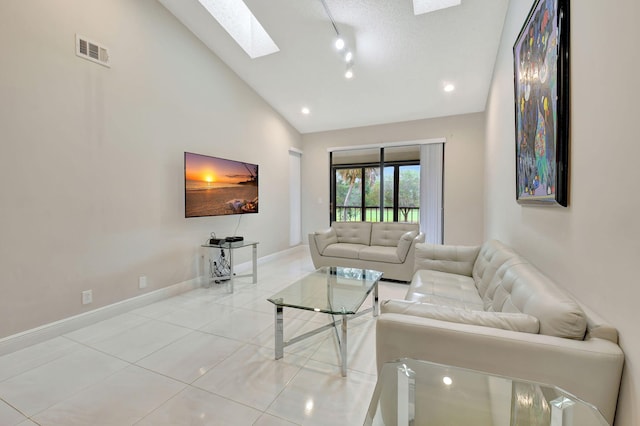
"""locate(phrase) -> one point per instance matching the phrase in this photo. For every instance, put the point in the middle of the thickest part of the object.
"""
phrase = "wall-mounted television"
(216, 186)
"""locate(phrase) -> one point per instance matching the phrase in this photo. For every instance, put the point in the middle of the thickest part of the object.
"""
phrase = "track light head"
(349, 73)
(348, 57)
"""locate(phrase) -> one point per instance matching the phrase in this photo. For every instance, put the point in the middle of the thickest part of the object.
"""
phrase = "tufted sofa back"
(493, 254)
(353, 232)
(507, 282)
(452, 259)
(389, 233)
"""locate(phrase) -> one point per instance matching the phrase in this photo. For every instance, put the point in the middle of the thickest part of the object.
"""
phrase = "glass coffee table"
(329, 290)
(410, 392)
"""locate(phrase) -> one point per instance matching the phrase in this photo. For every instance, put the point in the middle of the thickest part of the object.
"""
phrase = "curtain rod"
(388, 144)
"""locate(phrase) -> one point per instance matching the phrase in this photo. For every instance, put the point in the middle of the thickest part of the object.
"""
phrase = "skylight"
(236, 18)
(426, 6)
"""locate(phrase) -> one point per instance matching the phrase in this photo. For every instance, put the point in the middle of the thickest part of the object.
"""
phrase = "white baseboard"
(246, 266)
(48, 331)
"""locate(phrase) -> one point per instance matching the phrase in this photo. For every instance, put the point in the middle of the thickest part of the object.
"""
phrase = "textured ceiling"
(402, 61)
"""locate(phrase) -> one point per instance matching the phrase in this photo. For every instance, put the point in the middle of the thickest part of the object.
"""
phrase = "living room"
(92, 164)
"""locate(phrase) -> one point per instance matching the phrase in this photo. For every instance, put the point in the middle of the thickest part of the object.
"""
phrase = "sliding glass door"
(364, 188)
(394, 183)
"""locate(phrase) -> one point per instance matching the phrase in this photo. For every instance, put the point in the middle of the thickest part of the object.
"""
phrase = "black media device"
(234, 239)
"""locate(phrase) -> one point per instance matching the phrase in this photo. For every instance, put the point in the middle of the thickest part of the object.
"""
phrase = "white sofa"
(487, 308)
(387, 247)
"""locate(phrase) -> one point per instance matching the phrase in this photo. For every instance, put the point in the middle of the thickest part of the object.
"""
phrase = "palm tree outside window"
(357, 192)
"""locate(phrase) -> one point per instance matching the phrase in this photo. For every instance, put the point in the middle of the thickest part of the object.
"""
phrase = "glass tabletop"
(410, 392)
(332, 290)
(231, 244)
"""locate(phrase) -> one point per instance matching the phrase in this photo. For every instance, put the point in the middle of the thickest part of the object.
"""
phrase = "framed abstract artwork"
(541, 80)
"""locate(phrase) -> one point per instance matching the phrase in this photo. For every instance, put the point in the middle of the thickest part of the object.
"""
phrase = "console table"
(231, 247)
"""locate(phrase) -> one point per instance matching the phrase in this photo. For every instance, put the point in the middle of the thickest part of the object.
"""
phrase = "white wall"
(592, 247)
(91, 170)
(464, 169)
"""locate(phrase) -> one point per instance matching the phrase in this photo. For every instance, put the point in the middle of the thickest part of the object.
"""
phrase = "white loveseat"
(487, 308)
(387, 247)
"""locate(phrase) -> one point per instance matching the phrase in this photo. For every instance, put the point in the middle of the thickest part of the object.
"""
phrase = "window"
(361, 192)
(357, 193)
(408, 204)
(394, 182)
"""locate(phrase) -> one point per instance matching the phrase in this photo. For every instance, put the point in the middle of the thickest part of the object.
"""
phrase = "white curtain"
(431, 191)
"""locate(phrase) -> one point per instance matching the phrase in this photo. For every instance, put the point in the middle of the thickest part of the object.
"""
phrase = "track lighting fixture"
(340, 44)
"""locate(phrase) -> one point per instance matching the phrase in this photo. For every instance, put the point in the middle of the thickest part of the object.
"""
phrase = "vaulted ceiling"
(402, 61)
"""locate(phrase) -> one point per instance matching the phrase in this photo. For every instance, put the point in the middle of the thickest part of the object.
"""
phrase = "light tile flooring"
(204, 357)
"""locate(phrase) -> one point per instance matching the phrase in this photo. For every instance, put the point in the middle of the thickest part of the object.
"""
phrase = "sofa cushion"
(522, 288)
(345, 250)
(506, 321)
(379, 254)
(405, 244)
(388, 234)
(452, 259)
(325, 238)
(444, 288)
(353, 232)
(492, 255)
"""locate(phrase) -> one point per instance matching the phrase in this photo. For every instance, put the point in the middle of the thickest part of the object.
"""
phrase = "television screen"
(216, 186)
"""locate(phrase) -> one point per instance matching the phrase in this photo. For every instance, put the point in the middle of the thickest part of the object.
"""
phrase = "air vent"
(92, 51)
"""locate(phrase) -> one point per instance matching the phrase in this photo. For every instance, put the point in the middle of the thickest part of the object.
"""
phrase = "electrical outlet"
(87, 297)
(142, 281)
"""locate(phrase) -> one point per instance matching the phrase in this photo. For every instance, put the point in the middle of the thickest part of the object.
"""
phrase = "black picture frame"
(541, 84)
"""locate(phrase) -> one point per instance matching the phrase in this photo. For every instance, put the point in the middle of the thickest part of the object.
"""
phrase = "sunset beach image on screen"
(216, 186)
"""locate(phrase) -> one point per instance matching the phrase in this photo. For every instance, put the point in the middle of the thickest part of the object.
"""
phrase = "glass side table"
(221, 269)
(410, 392)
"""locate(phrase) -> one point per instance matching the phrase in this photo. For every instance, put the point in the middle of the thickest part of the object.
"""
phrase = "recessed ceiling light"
(447, 380)
(449, 87)
(426, 6)
(339, 43)
(236, 18)
(305, 110)
(348, 74)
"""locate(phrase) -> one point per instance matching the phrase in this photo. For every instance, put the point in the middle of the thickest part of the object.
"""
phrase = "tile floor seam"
(149, 370)
(14, 407)
(194, 380)
(104, 379)
(158, 406)
(274, 399)
(102, 351)
(126, 330)
(133, 312)
(220, 335)
(228, 398)
(266, 411)
(151, 353)
(77, 392)
(62, 355)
